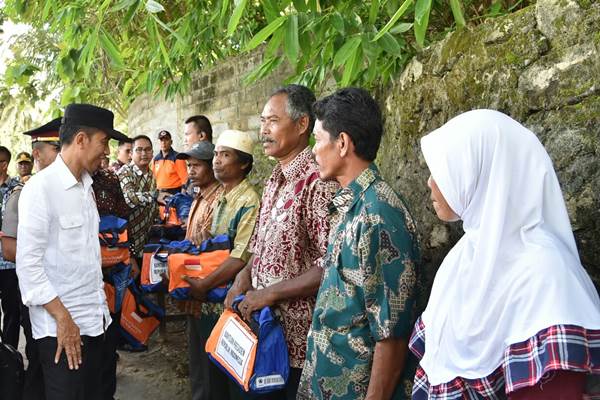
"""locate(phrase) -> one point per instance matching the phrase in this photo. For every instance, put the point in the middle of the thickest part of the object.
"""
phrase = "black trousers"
(109, 359)
(60, 382)
(34, 379)
(207, 381)
(289, 392)
(11, 306)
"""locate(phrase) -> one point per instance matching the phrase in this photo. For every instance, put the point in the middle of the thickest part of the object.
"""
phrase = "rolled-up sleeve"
(33, 234)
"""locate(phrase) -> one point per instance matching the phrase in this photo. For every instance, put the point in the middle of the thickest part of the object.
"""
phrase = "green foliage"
(111, 51)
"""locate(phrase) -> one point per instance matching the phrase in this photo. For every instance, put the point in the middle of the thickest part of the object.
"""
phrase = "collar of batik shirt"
(346, 197)
(209, 190)
(296, 168)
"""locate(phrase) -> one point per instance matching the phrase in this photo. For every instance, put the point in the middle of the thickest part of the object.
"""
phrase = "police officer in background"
(24, 166)
(45, 148)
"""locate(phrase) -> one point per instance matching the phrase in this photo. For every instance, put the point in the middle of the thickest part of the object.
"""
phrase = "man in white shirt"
(58, 257)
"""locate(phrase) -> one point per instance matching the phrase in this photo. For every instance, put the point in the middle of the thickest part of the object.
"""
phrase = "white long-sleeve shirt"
(58, 252)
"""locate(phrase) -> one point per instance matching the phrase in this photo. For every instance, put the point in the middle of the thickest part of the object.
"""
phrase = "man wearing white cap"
(235, 215)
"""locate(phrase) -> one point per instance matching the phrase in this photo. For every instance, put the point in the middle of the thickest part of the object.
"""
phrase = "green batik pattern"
(367, 293)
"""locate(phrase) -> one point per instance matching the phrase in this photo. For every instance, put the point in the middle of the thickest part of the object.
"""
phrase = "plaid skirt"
(559, 347)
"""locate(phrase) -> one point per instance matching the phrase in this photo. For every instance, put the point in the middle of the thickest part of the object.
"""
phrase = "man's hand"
(67, 334)
(255, 300)
(198, 288)
(241, 285)
(68, 338)
(163, 197)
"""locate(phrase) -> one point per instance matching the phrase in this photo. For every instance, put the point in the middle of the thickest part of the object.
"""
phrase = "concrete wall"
(217, 93)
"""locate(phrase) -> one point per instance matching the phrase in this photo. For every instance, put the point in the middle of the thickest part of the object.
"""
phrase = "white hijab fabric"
(516, 270)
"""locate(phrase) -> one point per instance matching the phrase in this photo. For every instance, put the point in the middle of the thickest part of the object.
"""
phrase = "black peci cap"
(94, 117)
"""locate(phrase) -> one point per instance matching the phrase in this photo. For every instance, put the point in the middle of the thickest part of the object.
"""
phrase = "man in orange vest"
(169, 172)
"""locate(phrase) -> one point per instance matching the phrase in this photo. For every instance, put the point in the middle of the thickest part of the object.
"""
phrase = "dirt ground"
(160, 373)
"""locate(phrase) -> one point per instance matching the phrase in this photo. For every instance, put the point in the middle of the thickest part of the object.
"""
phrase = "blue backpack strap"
(141, 299)
(160, 248)
(109, 229)
(219, 242)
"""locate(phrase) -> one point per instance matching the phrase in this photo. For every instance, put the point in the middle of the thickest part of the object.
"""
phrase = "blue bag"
(120, 278)
(182, 203)
(113, 231)
(272, 365)
(271, 368)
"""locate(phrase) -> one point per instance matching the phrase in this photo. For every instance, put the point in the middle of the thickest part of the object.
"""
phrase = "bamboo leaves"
(235, 18)
(110, 47)
(346, 51)
(292, 45)
(457, 12)
(399, 13)
(119, 49)
(154, 7)
(264, 33)
(422, 10)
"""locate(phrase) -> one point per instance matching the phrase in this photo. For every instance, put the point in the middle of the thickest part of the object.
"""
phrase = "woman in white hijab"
(512, 312)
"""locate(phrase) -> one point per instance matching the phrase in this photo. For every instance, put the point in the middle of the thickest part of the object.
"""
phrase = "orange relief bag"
(154, 264)
(112, 256)
(193, 266)
(114, 245)
(253, 353)
(232, 346)
(168, 216)
(109, 290)
(209, 256)
(139, 316)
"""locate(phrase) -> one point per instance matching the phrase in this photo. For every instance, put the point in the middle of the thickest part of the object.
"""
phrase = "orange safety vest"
(169, 172)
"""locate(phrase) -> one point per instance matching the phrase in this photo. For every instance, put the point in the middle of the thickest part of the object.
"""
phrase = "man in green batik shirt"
(357, 345)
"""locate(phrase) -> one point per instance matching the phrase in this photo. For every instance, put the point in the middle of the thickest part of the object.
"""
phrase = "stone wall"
(540, 65)
(217, 93)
